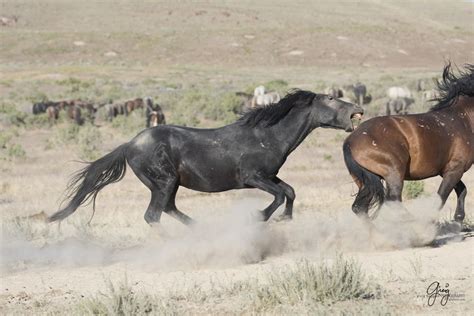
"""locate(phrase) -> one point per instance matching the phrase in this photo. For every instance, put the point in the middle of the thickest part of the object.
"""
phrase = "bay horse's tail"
(88, 182)
(372, 192)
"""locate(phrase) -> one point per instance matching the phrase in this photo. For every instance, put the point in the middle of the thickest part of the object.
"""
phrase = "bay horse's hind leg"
(461, 192)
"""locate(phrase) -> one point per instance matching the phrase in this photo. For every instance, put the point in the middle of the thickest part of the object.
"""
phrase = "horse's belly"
(209, 178)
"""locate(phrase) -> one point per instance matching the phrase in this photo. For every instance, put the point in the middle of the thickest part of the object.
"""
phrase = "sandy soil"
(60, 264)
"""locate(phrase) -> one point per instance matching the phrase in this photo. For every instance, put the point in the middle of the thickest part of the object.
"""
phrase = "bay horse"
(414, 147)
(245, 154)
(53, 113)
(132, 105)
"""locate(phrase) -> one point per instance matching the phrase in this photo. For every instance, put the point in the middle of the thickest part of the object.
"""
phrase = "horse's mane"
(450, 86)
(273, 113)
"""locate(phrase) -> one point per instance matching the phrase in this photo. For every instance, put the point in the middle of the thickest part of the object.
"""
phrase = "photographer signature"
(434, 291)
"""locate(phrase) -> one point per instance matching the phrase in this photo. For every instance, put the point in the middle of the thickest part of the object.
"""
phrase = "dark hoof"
(459, 218)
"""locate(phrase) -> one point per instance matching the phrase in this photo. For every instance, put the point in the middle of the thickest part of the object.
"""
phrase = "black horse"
(41, 107)
(245, 154)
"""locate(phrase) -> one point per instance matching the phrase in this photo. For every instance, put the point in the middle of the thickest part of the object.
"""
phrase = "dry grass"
(302, 287)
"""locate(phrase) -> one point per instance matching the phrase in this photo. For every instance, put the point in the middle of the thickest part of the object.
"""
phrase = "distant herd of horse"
(250, 152)
(74, 110)
(399, 101)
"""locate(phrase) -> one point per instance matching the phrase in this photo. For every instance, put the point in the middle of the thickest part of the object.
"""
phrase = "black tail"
(88, 182)
(372, 192)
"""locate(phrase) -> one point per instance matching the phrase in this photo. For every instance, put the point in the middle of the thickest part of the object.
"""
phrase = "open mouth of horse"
(356, 118)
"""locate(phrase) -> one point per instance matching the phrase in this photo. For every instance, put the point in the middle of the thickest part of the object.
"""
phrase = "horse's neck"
(292, 130)
(465, 108)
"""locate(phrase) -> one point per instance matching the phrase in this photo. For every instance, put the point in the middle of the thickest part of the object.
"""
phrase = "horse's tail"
(372, 192)
(88, 182)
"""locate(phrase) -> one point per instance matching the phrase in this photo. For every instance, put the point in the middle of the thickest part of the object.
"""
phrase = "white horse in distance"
(398, 92)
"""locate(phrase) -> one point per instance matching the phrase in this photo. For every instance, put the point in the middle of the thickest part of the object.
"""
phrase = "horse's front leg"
(274, 189)
(290, 197)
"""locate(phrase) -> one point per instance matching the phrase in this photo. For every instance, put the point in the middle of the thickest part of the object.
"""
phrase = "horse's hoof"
(459, 218)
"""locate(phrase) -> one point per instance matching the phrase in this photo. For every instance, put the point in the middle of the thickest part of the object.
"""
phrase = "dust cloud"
(227, 239)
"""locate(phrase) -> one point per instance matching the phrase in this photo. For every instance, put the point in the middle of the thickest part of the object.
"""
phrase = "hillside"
(239, 34)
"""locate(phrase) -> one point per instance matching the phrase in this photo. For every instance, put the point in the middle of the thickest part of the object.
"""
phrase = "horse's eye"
(330, 97)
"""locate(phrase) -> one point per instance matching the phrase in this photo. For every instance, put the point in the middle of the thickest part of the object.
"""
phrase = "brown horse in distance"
(414, 147)
(132, 105)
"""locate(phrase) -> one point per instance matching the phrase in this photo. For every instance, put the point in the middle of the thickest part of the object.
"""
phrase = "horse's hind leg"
(173, 211)
(461, 192)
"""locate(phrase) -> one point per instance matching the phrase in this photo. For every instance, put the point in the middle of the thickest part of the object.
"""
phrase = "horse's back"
(418, 145)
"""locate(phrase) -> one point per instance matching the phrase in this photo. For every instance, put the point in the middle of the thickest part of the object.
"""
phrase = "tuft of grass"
(37, 121)
(327, 157)
(12, 115)
(310, 283)
(16, 151)
(8, 149)
(121, 299)
(413, 189)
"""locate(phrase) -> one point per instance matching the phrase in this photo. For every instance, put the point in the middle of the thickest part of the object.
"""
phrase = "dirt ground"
(47, 268)
(60, 264)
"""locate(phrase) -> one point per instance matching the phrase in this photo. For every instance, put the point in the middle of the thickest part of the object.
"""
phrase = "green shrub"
(278, 85)
(130, 125)
(66, 134)
(15, 151)
(413, 189)
(12, 115)
(36, 96)
(5, 139)
(37, 121)
(89, 140)
(223, 109)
